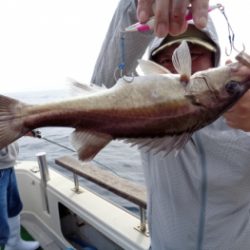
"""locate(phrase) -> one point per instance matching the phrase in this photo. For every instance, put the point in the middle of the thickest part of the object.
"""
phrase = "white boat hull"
(96, 220)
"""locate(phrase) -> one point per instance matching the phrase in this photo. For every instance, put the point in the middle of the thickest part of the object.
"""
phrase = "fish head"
(219, 88)
(231, 92)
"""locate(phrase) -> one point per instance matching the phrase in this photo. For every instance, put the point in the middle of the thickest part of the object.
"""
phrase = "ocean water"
(117, 157)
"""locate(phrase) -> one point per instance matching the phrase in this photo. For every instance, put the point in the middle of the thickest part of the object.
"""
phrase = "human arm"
(110, 54)
(170, 14)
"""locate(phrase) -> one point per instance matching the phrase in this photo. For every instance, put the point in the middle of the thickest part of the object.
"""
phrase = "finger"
(178, 23)
(228, 61)
(230, 111)
(232, 125)
(229, 120)
(230, 116)
(200, 13)
(242, 71)
(162, 9)
(243, 126)
(144, 10)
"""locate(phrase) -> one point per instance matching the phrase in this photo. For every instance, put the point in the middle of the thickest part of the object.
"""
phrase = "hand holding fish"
(170, 14)
(239, 115)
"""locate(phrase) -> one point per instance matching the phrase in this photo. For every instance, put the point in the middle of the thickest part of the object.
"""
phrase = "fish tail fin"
(11, 121)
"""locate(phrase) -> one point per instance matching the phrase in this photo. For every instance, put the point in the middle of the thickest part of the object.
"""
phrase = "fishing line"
(37, 134)
(121, 68)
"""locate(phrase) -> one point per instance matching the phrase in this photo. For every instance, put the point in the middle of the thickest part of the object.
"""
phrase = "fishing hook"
(128, 79)
(119, 73)
(231, 34)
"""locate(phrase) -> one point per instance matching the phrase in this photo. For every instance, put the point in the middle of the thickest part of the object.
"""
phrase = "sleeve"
(135, 45)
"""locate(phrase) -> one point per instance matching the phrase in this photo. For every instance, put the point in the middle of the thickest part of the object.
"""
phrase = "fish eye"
(232, 87)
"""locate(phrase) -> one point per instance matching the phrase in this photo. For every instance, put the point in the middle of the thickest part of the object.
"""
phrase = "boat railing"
(122, 187)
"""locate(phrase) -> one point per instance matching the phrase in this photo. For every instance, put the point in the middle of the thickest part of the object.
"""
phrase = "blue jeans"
(10, 202)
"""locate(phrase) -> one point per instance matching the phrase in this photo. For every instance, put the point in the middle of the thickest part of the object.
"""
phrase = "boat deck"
(53, 212)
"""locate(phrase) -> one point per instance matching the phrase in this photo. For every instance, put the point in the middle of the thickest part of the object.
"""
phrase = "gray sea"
(117, 157)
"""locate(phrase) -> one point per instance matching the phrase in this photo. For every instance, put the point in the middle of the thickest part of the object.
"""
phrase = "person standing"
(199, 198)
(10, 203)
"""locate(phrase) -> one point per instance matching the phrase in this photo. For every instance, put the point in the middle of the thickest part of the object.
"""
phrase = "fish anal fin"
(163, 145)
(88, 144)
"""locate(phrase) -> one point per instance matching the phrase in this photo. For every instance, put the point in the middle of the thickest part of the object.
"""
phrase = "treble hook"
(232, 47)
(231, 35)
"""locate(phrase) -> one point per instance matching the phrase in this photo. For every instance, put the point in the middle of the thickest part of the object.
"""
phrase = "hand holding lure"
(142, 27)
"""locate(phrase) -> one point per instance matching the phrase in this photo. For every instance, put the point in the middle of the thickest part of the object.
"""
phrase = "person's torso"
(176, 192)
(8, 156)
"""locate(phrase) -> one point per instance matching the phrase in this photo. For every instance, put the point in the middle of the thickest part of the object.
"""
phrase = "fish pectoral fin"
(151, 68)
(162, 145)
(182, 60)
(88, 144)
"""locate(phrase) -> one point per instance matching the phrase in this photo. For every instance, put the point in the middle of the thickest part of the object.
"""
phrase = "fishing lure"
(142, 27)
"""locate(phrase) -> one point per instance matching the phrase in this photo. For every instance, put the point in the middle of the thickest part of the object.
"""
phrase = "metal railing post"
(44, 171)
(143, 222)
(76, 182)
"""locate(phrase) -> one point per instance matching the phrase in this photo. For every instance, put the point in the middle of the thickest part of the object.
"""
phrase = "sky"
(45, 42)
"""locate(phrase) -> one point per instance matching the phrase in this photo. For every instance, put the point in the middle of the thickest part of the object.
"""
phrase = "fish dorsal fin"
(162, 145)
(88, 144)
(151, 68)
(182, 60)
(78, 87)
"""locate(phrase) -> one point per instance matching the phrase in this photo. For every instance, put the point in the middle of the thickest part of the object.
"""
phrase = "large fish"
(151, 107)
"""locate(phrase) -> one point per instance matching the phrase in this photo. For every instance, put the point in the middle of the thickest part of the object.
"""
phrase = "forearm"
(110, 54)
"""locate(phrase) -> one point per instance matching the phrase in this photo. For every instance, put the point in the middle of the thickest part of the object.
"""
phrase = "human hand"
(170, 14)
(239, 115)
